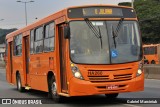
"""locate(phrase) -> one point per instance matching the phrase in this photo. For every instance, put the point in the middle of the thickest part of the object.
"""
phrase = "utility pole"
(132, 3)
(25, 4)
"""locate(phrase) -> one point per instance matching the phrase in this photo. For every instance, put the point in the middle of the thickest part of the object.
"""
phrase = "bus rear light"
(76, 72)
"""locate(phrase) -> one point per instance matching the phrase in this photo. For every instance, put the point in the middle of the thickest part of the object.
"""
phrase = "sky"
(13, 12)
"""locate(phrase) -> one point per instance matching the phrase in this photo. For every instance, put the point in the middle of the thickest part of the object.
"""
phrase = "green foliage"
(3, 33)
(125, 4)
(148, 12)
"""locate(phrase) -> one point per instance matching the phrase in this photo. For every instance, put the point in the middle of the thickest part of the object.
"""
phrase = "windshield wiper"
(116, 32)
(100, 36)
(114, 37)
(94, 30)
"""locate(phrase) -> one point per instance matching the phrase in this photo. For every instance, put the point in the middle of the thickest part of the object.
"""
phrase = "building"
(2, 52)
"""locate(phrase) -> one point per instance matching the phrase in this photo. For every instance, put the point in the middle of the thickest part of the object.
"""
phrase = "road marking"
(130, 105)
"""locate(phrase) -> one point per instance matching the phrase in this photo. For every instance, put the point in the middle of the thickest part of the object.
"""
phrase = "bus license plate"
(110, 87)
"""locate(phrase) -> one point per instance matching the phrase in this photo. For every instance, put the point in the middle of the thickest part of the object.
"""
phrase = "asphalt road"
(152, 90)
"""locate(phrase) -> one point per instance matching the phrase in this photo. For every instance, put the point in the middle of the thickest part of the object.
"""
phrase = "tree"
(125, 4)
(3, 33)
(148, 12)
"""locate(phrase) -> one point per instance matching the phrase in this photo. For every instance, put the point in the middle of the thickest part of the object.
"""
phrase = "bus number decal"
(95, 73)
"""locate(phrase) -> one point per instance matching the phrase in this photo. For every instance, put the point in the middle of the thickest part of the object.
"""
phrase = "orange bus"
(78, 51)
(152, 53)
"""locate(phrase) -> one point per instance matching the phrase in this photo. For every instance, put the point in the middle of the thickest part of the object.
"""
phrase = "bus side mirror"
(66, 32)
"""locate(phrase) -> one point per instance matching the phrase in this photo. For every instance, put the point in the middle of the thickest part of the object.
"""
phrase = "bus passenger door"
(10, 63)
(26, 61)
(63, 71)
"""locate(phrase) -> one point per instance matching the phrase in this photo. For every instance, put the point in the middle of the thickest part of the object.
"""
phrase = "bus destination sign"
(100, 12)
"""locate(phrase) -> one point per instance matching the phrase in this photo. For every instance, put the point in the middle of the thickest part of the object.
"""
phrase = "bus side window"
(38, 43)
(18, 45)
(145, 51)
(32, 42)
(49, 37)
(155, 49)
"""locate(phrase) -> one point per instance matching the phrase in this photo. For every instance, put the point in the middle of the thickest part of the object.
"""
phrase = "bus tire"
(112, 96)
(19, 83)
(53, 90)
(153, 62)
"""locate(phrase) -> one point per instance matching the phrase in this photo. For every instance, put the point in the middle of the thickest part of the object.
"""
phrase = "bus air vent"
(116, 78)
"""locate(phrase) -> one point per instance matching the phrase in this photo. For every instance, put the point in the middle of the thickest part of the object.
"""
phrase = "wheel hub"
(54, 89)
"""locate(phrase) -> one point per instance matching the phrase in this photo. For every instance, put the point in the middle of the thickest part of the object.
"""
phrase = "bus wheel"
(53, 91)
(153, 62)
(19, 84)
(112, 96)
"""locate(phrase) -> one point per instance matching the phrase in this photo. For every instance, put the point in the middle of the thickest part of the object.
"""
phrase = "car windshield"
(100, 43)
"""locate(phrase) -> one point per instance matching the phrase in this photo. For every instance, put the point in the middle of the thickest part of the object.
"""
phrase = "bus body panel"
(126, 79)
(40, 65)
(37, 78)
(78, 87)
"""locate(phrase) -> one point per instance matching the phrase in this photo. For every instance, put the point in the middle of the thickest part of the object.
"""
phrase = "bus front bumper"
(79, 87)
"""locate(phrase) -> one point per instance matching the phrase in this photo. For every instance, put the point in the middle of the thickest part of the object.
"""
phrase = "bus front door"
(63, 71)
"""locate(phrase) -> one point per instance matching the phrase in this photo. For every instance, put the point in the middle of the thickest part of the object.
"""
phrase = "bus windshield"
(150, 50)
(87, 48)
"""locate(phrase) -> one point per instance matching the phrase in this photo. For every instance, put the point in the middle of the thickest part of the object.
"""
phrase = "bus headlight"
(76, 72)
(139, 72)
(140, 69)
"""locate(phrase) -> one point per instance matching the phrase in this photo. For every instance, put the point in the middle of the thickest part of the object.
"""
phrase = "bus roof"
(109, 5)
(54, 16)
(150, 45)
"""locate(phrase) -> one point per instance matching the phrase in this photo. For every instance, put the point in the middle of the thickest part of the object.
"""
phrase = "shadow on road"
(92, 101)
(96, 100)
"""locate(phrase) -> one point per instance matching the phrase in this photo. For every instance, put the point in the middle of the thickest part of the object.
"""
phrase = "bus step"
(27, 88)
(64, 94)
